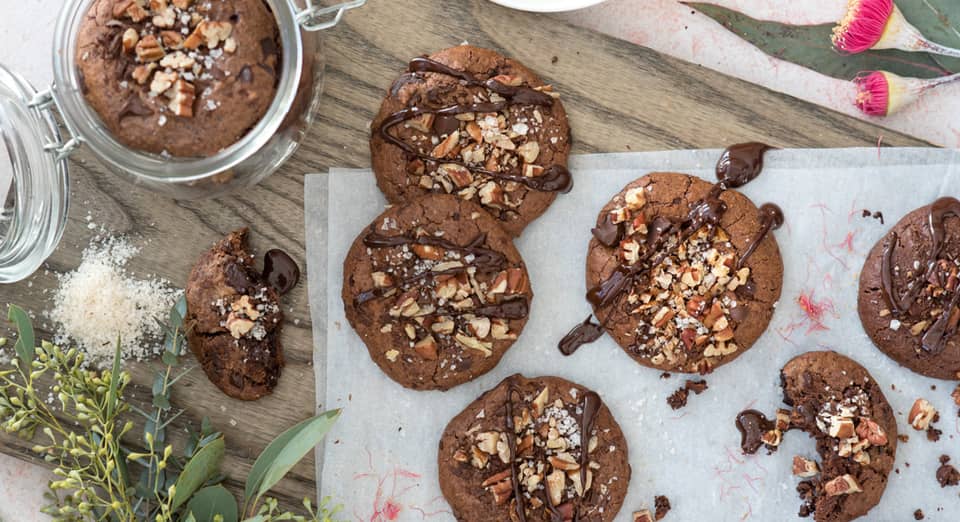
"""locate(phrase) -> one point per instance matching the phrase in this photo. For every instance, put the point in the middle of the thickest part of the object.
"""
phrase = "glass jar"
(33, 168)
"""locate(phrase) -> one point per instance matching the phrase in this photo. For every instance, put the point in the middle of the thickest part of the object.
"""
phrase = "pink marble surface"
(21, 490)
(671, 27)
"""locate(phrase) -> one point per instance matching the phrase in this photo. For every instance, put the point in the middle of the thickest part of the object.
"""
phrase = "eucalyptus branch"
(76, 427)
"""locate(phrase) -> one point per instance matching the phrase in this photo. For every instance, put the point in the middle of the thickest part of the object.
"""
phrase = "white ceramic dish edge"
(547, 6)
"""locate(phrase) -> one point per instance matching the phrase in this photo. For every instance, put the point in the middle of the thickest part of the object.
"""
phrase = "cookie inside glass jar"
(185, 78)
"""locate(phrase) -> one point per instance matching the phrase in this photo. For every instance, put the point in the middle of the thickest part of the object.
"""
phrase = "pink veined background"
(663, 25)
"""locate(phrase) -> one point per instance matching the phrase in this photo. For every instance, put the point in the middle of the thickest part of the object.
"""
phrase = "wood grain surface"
(620, 98)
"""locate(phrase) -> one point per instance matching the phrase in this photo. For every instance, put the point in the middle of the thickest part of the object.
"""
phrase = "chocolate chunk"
(445, 124)
(134, 106)
(246, 74)
(280, 271)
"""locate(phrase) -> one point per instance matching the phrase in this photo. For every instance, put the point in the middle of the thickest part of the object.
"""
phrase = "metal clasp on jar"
(43, 101)
(318, 18)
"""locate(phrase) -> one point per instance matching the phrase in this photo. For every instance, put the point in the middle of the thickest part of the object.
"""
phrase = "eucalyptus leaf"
(159, 381)
(169, 358)
(203, 465)
(810, 47)
(113, 399)
(938, 20)
(162, 402)
(26, 340)
(285, 451)
(213, 500)
(177, 312)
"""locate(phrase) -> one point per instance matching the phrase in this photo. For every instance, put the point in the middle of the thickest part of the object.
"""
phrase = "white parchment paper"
(380, 460)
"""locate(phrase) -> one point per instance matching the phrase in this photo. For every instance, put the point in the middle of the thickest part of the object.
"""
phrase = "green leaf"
(177, 312)
(113, 399)
(938, 20)
(162, 402)
(810, 47)
(203, 465)
(285, 451)
(213, 500)
(26, 341)
(169, 358)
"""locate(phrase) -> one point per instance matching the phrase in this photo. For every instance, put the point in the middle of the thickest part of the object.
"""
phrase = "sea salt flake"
(100, 301)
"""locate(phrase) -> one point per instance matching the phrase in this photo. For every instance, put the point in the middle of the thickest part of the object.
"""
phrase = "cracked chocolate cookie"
(470, 122)
(437, 292)
(541, 449)
(835, 401)
(682, 273)
(234, 318)
(909, 292)
(184, 77)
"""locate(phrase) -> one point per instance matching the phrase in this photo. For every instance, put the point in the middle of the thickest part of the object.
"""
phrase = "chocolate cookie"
(838, 403)
(517, 453)
(437, 291)
(234, 317)
(470, 122)
(684, 274)
(908, 291)
(183, 77)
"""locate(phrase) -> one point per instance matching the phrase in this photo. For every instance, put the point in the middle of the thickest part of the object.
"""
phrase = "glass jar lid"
(33, 178)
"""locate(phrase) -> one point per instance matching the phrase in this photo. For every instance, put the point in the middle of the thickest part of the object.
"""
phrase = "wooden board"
(620, 98)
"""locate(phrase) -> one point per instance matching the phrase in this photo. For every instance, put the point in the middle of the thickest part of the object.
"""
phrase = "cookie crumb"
(918, 515)
(947, 475)
(662, 506)
(933, 434)
(678, 399)
(697, 387)
(875, 215)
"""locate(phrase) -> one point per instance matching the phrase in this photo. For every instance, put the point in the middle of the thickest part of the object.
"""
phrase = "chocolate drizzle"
(901, 303)
(555, 178)
(588, 419)
(738, 165)
(484, 259)
(752, 425)
(584, 333)
(771, 218)
(512, 445)
(590, 410)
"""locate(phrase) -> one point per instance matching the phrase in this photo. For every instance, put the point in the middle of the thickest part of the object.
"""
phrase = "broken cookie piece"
(838, 403)
(234, 320)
